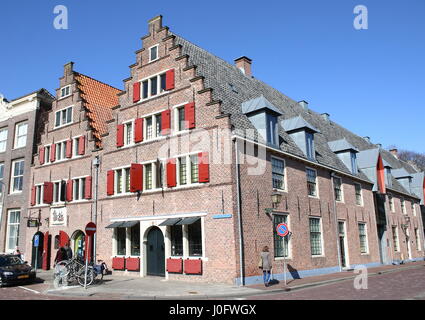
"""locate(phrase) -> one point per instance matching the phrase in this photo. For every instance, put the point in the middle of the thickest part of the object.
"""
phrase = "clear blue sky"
(370, 81)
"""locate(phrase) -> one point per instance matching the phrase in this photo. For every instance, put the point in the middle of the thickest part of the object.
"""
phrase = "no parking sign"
(282, 229)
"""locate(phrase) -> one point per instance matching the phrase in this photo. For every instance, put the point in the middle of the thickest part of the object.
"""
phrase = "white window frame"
(39, 193)
(418, 240)
(55, 183)
(127, 144)
(17, 125)
(317, 183)
(285, 189)
(288, 223)
(391, 202)
(4, 142)
(60, 151)
(122, 169)
(414, 208)
(342, 189)
(366, 235)
(361, 194)
(9, 224)
(13, 177)
(321, 236)
(403, 206)
(188, 170)
(47, 154)
(61, 124)
(157, 53)
(397, 248)
(66, 95)
(75, 145)
(81, 189)
(159, 91)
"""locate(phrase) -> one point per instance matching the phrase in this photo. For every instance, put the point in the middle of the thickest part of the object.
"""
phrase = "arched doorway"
(37, 252)
(78, 245)
(155, 253)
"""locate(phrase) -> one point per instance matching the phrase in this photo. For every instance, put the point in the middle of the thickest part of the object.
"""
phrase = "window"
(121, 240)
(79, 189)
(311, 182)
(159, 175)
(281, 244)
(1, 179)
(128, 133)
(65, 91)
(391, 202)
(135, 240)
(315, 237)
(176, 235)
(63, 117)
(403, 206)
(194, 168)
(418, 243)
(338, 188)
(272, 133)
(163, 82)
(309, 137)
(17, 176)
(181, 120)
(153, 53)
(75, 146)
(154, 85)
(182, 171)
(363, 238)
(13, 221)
(395, 238)
(60, 151)
(354, 169)
(194, 234)
(3, 139)
(158, 125)
(358, 191)
(414, 208)
(278, 171)
(122, 181)
(149, 128)
(59, 191)
(21, 130)
(39, 190)
(46, 154)
(145, 89)
(148, 177)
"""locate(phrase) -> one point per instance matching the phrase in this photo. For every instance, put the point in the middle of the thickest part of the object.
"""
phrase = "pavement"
(155, 288)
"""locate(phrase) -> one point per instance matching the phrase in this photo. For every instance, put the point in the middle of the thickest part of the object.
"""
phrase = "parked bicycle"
(74, 270)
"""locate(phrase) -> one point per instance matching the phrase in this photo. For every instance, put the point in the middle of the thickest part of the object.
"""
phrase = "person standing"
(266, 265)
(68, 251)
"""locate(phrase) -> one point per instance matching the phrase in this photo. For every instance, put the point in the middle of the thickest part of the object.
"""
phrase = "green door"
(155, 253)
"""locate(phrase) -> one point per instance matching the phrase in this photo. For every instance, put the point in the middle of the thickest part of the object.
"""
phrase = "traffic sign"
(36, 240)
(90, 228)
(282, 229)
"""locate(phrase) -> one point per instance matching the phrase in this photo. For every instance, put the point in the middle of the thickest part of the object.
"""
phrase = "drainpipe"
(239, 200)
(3, 196)
(96, 163)
(336, 222)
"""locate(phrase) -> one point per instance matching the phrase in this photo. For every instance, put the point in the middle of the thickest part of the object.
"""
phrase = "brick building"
(19, 119)
(190, 154)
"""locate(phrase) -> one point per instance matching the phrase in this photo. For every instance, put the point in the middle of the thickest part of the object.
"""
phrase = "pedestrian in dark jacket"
(60, 255)
(68, 251)
(266, 265)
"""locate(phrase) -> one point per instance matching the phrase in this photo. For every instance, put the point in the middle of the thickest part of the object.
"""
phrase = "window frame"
(13, 177)
(61, 124)
(59, 194)
(4, 129)
(361, 204)
(157, 53)
(277, 238)
(366, 240)
(14, 224)
(341, 189)
(81, 189)
(16, 136)
(316, 183)
(64, 88)
(285, 186)
(322, 247)
(159, 90)
(403, 205)
(310, 150)
(391, 202)
(122, 180)
(396, 241)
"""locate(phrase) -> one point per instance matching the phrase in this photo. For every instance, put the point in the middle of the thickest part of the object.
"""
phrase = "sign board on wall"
(58, 216)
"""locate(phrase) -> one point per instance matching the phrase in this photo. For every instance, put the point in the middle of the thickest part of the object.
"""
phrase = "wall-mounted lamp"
(276, 199)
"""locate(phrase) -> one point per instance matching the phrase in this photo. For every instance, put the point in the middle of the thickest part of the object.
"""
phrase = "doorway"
(342, 244)
(155, 253)
(78, 243)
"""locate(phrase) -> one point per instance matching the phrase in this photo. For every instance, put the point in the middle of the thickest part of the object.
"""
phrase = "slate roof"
(258, 104)
(297, 123)
(341, 145)
(98, 99)
(233, 88)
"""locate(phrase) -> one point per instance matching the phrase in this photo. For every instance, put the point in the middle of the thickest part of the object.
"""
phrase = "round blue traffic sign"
(282, 229)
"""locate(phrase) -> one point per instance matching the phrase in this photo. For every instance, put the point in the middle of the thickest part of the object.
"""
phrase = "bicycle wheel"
(62, 268)
(81, 276)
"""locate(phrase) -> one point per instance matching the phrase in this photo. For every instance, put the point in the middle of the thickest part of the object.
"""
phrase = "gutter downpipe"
(239, 200)
(336, 222)
(96, 164)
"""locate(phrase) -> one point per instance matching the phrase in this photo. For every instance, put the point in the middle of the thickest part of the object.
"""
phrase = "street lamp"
(276, 199)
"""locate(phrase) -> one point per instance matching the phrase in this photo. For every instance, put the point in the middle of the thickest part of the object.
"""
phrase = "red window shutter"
(171, 173)
(53, 152)
(69, 149)
(46, 251)
(138, 130)
(189, 115)
(63, 238)
(203, 167)
(165, 122)
(87, 189)
(33, 192)
(48, 192)
(110, 183)
(169, 79)
(136, 91)
(69, 190)
(120, 135)
(136, 177)
(41, 155)
(82, 145)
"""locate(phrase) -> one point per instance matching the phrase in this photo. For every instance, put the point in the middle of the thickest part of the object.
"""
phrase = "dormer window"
(272, 130)
(353, 157)
(347, 153)
(309, 143)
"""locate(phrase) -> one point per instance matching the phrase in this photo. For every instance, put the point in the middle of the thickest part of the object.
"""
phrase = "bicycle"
(74, 270)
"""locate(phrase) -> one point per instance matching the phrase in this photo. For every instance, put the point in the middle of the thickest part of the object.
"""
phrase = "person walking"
(266, 265)
(68, 251)
(61, 255)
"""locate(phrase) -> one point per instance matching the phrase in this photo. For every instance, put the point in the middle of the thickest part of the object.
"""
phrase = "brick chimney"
(155, 24)
(303, 104)
(68, 69)
(244, 65)
(394, 152)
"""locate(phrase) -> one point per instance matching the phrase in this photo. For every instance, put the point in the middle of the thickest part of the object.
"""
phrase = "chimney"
(367, 139)
(155, 24)
(303, 104)
(394, 152)
(244, 65)
(326, 116)
(68, 69)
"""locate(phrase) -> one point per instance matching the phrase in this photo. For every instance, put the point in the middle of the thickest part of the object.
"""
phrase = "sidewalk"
(151, 288)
